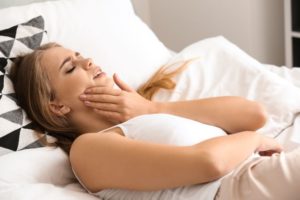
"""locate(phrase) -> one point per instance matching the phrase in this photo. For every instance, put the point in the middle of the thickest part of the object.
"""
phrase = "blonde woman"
(123, 145)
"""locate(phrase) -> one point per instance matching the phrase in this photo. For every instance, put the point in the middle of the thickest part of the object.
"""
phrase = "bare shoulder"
(88, 139)
(86, 143)
(89, 142)
(87, 153)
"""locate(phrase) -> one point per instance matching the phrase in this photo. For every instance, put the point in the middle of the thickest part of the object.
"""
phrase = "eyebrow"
(67, 59)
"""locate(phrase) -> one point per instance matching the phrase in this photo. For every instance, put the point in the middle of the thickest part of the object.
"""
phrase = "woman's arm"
(232, 114)
(112, 161)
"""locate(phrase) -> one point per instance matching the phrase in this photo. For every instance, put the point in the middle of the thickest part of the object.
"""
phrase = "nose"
(87, 63)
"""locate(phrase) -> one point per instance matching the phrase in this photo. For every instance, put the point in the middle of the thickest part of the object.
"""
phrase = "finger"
(99, 98)
(112, 116)
(121, 84)
(103, 106)
(102, 90)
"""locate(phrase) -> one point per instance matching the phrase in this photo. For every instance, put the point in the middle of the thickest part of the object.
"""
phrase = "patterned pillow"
(16, 131)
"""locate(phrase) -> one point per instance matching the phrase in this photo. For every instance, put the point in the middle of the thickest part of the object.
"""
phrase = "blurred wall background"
(256, 26)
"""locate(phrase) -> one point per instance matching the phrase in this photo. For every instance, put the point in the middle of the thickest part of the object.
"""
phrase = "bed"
(111, 33)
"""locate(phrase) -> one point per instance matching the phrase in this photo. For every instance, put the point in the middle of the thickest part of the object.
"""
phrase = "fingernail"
(82, 96)
(87, 102)
(87, 90)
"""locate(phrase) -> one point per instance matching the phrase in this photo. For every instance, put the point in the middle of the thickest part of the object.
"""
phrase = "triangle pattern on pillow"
(32, 42)
(17, 130)
(8, 85)
(27, 31)
(19, 48)
(26, 137)
(7, 104)
(37, 22)
(3, 63)
(11, 140)
(1, 85)
(6, 46)
(35, 144)
(10, 32)
(12, 96)
(9, 127)
(15, 116)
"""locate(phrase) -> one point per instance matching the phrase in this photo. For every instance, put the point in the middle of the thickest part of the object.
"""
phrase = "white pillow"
(106, 30)
(36, 174)
(40, 165)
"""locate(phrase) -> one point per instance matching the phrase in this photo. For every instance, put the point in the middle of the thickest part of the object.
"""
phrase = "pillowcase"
(16, 131)
(45, 174)
(108, 31)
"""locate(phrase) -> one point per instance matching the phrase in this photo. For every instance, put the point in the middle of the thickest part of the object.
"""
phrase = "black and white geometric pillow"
(16, 131)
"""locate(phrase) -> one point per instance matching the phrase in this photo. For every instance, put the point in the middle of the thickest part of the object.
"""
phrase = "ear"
(58, 108)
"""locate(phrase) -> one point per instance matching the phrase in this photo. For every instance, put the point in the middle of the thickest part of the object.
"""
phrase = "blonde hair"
(34, 93)
(162, 79)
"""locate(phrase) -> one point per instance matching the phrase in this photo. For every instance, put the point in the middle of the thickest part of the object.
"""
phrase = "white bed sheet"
(223, 69)
(290, 74)
(290, 137)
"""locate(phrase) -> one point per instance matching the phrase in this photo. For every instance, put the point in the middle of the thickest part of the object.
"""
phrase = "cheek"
(70, 89)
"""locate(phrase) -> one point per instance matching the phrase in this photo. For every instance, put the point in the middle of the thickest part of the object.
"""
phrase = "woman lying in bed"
(120, 143)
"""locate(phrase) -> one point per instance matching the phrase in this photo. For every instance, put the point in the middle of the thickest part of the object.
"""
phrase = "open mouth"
(99, 74)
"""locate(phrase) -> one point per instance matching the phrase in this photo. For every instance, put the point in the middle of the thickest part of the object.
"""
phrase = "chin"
(104, 81)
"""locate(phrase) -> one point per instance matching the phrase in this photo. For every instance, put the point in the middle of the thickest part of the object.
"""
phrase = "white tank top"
(165, 129)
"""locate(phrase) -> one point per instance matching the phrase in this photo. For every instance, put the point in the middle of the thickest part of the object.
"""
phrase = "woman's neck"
(88, 121)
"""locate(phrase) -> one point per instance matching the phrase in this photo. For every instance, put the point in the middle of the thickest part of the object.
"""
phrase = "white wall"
(142, 9)
(9, 3)
(256, 26)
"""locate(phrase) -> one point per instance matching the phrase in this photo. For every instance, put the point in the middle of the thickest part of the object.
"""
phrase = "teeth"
(97, 74)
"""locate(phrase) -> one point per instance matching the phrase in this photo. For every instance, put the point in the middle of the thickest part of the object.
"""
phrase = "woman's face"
(70, 74)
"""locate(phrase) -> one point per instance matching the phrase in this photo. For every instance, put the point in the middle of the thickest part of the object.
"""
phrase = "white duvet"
(221, 69)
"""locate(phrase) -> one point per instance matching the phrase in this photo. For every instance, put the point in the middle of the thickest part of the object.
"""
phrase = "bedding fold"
(222, 69)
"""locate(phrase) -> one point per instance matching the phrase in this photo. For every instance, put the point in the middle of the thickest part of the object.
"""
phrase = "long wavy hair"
(34, 93)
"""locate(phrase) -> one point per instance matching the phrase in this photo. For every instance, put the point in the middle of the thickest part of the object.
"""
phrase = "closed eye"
(70, 70)
(77, 54)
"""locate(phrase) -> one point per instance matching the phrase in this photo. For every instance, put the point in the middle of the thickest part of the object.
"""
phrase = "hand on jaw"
(117, 105)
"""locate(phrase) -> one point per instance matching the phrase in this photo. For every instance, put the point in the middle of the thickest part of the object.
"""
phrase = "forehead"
(53, 57)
